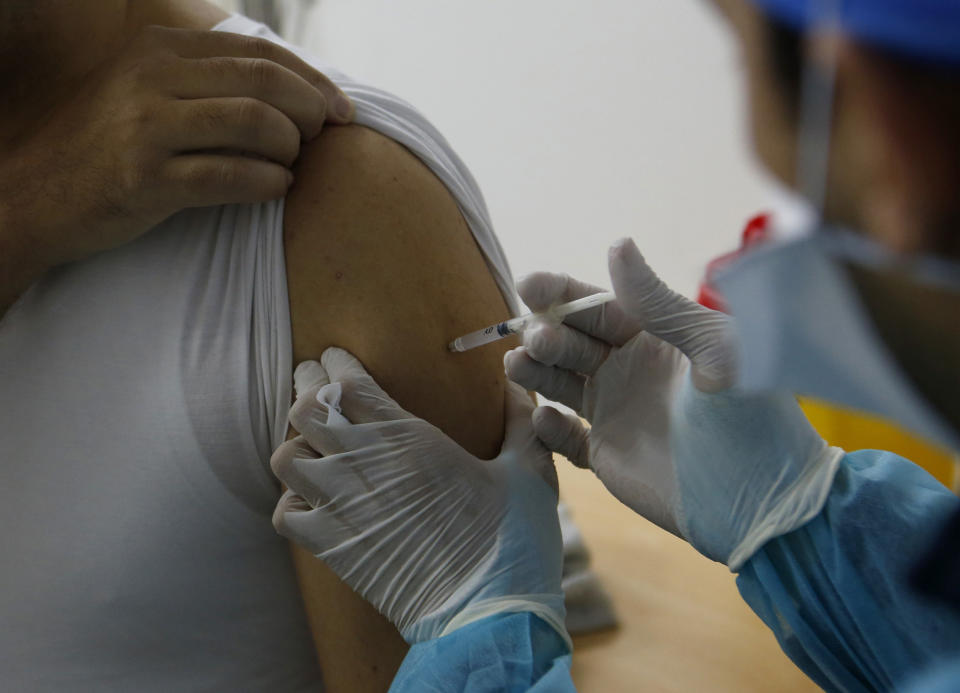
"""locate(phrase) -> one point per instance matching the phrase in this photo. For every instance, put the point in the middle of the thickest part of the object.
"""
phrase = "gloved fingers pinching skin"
(552, 382)
(324, 506)
(705, 336)
(308, 473)
(432, 536)
(308, 416)
(608, 323)
(289, 505)
(290, 502)
(339, 381)
(293, 448)
(317, 529)
(563, 433)
(282, 459)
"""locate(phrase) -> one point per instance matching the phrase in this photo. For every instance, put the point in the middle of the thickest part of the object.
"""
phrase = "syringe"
(553, 315)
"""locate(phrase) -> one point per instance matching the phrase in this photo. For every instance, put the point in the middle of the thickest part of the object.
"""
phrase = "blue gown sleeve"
(507, 652)
(835, 592)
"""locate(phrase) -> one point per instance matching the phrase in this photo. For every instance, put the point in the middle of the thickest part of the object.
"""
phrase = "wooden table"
(683, 626)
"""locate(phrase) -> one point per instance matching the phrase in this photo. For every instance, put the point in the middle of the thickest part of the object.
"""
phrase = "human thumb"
(702, 335)
(639, 290)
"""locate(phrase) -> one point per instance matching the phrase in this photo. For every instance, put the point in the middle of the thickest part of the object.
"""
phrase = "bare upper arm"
(381, 262)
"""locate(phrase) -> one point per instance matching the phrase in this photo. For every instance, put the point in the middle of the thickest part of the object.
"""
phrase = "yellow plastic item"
(853, 430)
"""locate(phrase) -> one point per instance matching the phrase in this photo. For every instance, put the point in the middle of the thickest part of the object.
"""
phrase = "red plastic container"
(756, 232)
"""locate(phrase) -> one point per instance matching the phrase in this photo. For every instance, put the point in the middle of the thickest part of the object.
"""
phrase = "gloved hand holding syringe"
(553, 315)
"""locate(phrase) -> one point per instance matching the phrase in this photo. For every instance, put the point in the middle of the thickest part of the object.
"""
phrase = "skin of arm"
(381, 262)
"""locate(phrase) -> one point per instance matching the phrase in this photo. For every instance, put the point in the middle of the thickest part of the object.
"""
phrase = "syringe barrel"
(475, 339)
(553, 315)
(489, 334)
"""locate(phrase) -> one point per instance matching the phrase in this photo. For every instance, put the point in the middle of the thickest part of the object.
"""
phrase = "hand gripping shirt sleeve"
(144, 389)
(503, 653)
(395, 118)
(835, 592)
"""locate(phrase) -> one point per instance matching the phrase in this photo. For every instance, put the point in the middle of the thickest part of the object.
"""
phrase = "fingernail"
(344, 107)
(624, 252)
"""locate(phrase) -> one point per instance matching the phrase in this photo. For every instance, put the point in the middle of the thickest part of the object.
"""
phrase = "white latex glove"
(651, 372)
(432, 536)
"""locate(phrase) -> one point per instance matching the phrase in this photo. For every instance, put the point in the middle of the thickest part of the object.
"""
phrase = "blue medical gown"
(835, 593)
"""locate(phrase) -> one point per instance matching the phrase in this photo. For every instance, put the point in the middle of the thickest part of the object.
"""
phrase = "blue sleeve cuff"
(505, 652)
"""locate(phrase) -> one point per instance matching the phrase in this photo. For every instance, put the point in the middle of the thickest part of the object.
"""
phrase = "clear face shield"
(802, 325)
(813, 160)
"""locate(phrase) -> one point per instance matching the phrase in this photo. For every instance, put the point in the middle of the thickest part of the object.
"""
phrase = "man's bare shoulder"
(359, 183)
(381, 262)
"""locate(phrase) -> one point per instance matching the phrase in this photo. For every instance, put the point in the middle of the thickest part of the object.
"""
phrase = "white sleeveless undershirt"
(141, 393)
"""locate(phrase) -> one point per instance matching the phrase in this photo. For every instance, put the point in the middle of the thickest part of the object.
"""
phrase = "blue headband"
(925, 29)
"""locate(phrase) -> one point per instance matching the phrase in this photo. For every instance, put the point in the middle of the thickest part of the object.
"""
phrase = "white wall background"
(582, 121)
